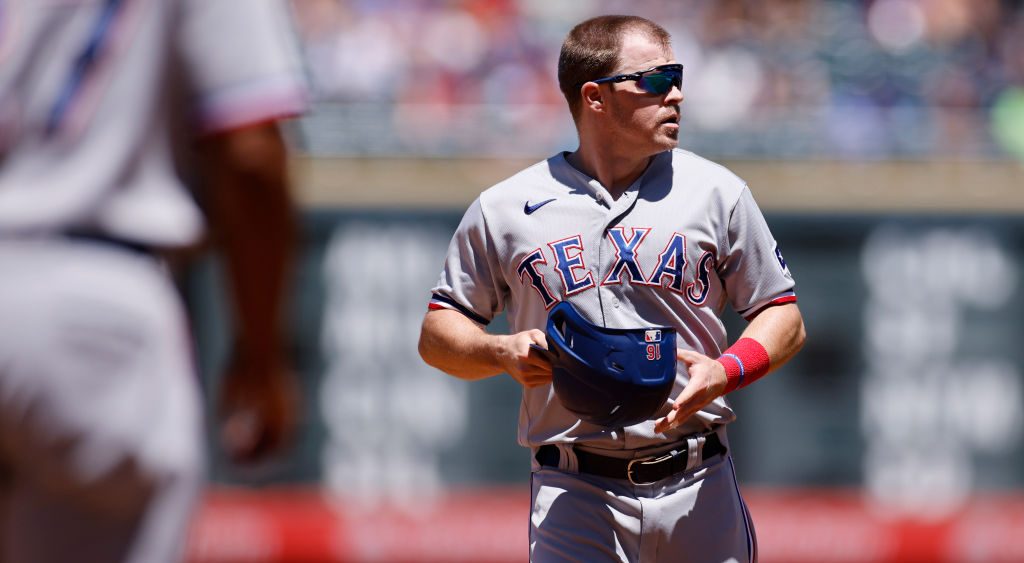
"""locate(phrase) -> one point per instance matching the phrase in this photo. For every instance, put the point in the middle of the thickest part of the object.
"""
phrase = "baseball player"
(100, 435)
(632, 232)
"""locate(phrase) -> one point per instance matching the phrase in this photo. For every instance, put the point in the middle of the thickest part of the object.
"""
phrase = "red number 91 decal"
(653, 352)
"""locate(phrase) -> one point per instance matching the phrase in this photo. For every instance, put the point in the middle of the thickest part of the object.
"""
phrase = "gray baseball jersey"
(86, 90)
(685, 240)
(100, 415)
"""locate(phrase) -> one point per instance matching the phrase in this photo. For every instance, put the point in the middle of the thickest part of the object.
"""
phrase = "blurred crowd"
(763, 78)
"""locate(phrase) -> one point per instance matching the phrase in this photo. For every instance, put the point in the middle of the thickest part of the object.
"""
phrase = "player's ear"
(592, 97)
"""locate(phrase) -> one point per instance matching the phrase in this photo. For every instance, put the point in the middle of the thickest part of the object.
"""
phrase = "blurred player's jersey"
(85, 92)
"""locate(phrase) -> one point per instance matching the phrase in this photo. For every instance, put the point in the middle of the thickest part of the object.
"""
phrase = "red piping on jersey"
(444, 302)
(777, 301)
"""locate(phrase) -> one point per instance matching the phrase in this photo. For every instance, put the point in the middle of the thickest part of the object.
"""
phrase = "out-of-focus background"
(883, 139)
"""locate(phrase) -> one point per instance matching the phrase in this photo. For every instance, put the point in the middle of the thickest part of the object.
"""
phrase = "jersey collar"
(601, 194)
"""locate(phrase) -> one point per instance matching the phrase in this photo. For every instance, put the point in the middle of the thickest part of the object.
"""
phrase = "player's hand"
(522, 361)
(258, 405)
(707, 382)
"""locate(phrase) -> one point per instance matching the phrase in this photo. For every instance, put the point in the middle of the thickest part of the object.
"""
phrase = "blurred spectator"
(802, 78)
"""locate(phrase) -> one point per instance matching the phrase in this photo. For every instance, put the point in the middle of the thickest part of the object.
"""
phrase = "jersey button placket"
(605, 259)
(617, 208)
(599, 229)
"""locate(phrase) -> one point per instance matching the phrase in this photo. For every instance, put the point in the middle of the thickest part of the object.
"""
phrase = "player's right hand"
(707, 381)
(521, 360)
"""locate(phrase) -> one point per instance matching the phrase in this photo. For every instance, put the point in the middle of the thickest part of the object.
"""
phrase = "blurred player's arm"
(779, 330)
(454, 344)
(253, 225)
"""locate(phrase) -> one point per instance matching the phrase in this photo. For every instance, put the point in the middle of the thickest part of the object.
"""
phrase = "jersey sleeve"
(242, 62)
(753, 271)
(470, 280)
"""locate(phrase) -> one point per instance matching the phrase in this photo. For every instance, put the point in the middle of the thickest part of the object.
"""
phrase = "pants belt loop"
(695, 451)
(567, 460)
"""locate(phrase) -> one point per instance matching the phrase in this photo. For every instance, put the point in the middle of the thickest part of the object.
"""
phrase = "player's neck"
(616, 172)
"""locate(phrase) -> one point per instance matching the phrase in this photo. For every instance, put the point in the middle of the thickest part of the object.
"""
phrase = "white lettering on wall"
(388, 415)
(929, 400)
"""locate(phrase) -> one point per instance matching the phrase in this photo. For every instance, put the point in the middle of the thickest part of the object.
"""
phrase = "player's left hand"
(707, 382)
(258, 404)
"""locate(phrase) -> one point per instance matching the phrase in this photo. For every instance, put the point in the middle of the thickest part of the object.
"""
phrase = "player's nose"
(674, 96)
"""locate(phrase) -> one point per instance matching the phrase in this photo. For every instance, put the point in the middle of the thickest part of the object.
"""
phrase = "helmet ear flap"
(556, 329)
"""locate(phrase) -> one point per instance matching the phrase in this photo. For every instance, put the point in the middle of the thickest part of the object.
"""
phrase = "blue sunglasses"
(655, 80)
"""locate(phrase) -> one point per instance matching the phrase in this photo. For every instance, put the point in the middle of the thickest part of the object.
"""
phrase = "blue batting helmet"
(606, 376)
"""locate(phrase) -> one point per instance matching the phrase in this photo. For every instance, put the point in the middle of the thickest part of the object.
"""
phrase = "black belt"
(639, 471)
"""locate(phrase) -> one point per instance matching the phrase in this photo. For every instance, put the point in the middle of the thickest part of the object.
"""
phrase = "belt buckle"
(649, 460)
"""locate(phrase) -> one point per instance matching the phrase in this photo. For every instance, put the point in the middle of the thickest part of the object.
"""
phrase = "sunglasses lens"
(661, 82)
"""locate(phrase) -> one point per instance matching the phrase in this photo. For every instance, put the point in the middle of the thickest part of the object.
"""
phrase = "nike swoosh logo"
(529, 209)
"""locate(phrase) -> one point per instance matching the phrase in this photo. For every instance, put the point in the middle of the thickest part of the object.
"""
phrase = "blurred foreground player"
(631, 232)
(100, 416)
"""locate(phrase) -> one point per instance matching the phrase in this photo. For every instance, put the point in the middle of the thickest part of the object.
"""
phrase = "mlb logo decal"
(652, 336)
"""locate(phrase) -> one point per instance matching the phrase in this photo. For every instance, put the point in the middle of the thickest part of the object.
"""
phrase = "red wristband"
(745, 362)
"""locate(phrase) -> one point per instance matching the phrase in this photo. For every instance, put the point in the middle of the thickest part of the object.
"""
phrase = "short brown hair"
(591, 51)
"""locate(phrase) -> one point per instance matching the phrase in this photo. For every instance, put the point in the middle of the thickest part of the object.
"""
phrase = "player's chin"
(668, 139)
